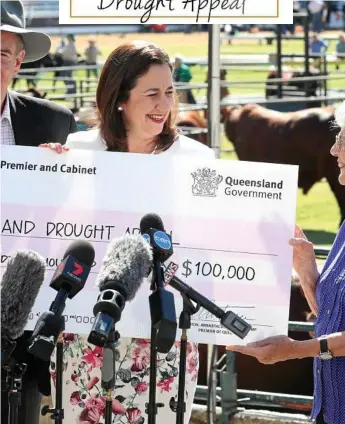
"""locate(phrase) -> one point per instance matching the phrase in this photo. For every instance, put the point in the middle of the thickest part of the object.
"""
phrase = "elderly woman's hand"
(270, 350)
(304, 261)
(57, 147)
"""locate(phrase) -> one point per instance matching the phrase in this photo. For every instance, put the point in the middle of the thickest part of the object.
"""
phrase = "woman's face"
(338, 150)
(149, 103)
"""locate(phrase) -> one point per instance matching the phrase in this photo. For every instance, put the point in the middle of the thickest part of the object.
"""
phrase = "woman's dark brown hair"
(119, 75)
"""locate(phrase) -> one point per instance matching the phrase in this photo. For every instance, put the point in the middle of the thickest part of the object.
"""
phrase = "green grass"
(318, 214)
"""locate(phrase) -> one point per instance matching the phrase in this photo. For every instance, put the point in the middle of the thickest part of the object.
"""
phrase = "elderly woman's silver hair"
(339, 115)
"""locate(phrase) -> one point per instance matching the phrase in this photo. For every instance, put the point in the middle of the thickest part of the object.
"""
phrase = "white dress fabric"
(83, 396)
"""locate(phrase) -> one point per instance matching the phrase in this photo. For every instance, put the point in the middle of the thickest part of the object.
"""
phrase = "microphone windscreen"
(151, 220)
(21, 282)
(82, 251)
(73, 271)
(126, 263)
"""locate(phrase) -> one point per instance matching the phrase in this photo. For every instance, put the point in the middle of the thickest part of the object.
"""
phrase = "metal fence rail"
(261, 399)
(24, 74)
(82, 87)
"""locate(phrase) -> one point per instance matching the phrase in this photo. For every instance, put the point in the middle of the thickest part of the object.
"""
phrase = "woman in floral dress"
(135, 104)
(84, 399)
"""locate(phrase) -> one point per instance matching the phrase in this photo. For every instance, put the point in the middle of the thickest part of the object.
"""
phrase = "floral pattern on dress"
(85, 399)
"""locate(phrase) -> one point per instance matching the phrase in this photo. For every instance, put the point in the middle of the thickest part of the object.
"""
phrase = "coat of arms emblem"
(206, 182)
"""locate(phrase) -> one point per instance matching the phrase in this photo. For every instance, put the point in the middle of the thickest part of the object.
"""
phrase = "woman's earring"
(120, 108)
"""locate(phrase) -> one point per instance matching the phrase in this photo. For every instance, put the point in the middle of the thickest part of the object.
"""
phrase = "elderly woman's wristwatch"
(325, 353)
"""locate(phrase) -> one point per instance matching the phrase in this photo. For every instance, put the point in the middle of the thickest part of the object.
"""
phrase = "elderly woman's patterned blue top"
(329, 375)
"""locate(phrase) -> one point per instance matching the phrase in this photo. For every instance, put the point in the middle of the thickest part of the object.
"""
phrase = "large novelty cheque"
(230, 223)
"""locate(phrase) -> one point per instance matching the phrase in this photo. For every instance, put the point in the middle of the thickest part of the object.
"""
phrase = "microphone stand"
(152, 406)
(184, 323)
(108, 372)
(50, 327)
(57, 413)
(15, 372)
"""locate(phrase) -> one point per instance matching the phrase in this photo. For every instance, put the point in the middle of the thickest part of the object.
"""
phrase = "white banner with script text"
(175, 11)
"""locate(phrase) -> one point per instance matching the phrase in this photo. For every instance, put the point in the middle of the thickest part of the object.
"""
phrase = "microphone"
(127, 262)
(162, 305)
(21, 282)
(68, 279)
(71, 275)
(152, 229)
(228, 319)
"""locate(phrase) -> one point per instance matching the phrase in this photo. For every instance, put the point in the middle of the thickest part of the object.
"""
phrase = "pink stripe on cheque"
(265, 238)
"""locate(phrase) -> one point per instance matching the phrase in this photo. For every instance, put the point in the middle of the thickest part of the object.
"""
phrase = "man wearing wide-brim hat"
(26, 121)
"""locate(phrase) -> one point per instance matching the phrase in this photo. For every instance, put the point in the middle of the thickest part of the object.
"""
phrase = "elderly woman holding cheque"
(135, 113)
(325, 293)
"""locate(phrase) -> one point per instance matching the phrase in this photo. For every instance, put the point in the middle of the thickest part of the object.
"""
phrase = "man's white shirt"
(7, 134)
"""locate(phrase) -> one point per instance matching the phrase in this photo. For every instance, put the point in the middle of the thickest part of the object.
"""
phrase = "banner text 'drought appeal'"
(175, 11)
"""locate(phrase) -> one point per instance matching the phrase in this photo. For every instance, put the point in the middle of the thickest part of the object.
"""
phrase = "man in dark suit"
(27, 121)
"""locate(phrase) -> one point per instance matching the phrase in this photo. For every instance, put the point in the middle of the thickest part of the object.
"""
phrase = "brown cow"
(302, 138)
(289, 377)
(193, 119)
